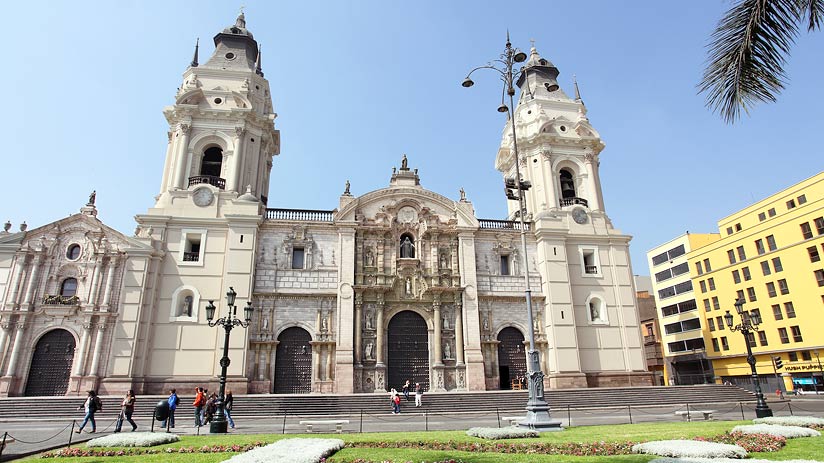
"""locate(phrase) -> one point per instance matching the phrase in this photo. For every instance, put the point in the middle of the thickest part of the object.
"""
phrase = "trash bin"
(161, 411)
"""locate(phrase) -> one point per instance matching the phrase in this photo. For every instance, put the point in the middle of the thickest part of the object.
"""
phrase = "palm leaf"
(748, 51)
(814, 9)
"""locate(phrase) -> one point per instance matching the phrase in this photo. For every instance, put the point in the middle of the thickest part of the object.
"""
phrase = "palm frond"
(814, 10)
(747, 54)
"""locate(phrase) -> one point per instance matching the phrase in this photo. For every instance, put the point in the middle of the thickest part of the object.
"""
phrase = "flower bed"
(805, 421)
(98, 452)
(133, 439)
(788, 432)
(690, 448)
(501, 433)
(298, 450)
(565, 448)
(750, 442)
(361, 460)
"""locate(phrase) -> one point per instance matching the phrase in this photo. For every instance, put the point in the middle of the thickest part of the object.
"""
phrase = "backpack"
(96, 404)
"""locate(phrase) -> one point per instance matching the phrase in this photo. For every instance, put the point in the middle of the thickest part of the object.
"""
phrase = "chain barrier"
(39, 441)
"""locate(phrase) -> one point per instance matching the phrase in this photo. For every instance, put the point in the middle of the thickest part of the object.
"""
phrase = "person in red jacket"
(200, 401)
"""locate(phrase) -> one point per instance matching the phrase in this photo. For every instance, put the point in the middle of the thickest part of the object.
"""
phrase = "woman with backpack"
(90, 406)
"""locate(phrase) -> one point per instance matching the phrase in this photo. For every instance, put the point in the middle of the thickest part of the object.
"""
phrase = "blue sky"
(357, 84)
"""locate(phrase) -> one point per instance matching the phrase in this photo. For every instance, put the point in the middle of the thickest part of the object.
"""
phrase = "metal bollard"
(283, 429)
(741, 406)
(361, 421)
(71, 432)
(569, 417)
(629, 408)
(498, 414)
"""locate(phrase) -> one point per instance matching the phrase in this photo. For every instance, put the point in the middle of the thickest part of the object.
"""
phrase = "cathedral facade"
(397, 284)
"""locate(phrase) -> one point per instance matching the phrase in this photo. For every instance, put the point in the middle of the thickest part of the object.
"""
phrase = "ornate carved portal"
(51, 364)
(511, 357)
(408, 350)
(293, 362)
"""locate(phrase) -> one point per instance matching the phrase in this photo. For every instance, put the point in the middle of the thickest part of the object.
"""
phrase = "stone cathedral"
(398, 283)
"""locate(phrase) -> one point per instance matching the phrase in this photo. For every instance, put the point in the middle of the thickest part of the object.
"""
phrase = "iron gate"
(51, 364)
(293, 362)
(408, 350)
(511, 356)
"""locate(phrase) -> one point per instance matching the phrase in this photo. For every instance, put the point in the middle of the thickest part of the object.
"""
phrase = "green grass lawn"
(805, 448)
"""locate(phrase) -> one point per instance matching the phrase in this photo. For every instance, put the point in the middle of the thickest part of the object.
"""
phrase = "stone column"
(459, 337)
(273, 355)
(234, 174)
(315, 362)
(436, 313)
(95, 282)
(475, 380)
(182, 155)
(18, 276)
(379, 330)
(107, 292)
(15, 349)
(358, 330)
(329, 353)
(260, 357)
(98, 346)
(167, 166)
(30, 288)
(80, 359)
(593, 198)
(4, 336)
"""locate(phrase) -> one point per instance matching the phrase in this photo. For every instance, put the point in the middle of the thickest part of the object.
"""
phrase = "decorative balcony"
(573, 201)
(502, 224)
(191, 256)
(61, 300)
(301, 215)
(209, 180)
(591, 269)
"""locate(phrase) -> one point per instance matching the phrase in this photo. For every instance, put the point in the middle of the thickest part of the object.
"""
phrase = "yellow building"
(769, 254)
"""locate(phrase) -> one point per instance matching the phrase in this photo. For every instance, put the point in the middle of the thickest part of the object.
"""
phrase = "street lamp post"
(749, 325)
(815, 352)
(228, 322)
(538, 414)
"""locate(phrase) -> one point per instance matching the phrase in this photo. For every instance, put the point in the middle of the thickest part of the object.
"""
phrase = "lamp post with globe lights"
(748, 326)
(538, 413)
(219, 423)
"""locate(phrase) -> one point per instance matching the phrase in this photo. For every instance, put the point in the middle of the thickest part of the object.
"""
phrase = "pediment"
(87, 231)
(399, 207)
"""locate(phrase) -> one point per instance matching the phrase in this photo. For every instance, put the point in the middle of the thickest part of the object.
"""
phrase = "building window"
(746, 272)
(715, 304)
(759, 246)
(762, 338)
(796, 330)
(777, 312)
(806, 231)
(73, 252)
(805, 355)
(212, 160)
(765, 268)
(790, 204)
(782, 334)
(771, 243)
(707, 266)
(782, 286)
(567, 184)
(724, 344)
(819, 225)
(771, 212)
(719, 321)
(739, 295)
(715, 347)
(729, 230)
(707, 306)
(192, 246)
(751, 339)
(738, 227)
(802, 199)
(711, 324)
(762, 216)
(819, 277)
(771, 289)
(736, 276)
(813, 252)
(298, 255)
(589, 259)
(751, 294)
(505, 265)
(741, 254)
(69, 287)
(731, 255)
(793, 356)
(681, 307)
(790, 309)
(703, 285)
(711, 283)
(776, 261)
(698, 268)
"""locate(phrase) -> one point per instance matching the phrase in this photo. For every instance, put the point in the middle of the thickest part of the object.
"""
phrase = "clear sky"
(356, 84)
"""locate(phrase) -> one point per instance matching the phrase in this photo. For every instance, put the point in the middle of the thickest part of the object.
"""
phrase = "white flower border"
(133, 439)
(725, 460)
(511, 432)
(804, 421)
(297, 450)
(690, 449)
(788, 432)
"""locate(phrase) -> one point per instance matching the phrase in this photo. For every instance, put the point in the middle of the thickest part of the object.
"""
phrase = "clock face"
(579, 216)
(203, 196)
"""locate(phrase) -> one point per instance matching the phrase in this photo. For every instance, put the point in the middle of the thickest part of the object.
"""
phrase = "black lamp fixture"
(219, 423)
(748, 327)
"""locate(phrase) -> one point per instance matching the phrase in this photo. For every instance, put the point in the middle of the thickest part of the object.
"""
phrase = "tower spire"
(577, 92)
(194, 63)
(241, 19)
(258, 69)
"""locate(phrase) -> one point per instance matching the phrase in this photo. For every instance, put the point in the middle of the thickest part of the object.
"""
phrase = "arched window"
(212, 160)
(407, 244)
(73, 252)
(69, 287)
(567, 184)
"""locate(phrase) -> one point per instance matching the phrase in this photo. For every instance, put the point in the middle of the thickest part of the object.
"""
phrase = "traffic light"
(778, 363)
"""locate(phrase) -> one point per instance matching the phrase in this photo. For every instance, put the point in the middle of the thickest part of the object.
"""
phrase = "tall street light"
(748, 326)
(228, 322)
(815, 352)
(538, 415)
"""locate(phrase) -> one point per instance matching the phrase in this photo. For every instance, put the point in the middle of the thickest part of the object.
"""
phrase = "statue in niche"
(447, 351)
(594, 312)
(370, 257)
(324, 324)
(486, 324)
(443, 260)
(408, 286)
(186, 310)
(407, 248)
(265, 324)
(536, 324)
(370, 323)
(369, 352)
(446, 321)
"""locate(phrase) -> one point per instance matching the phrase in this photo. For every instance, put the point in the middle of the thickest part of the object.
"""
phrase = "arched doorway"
(51, 364)
(511, 356)
(293, 362)
(408, 342)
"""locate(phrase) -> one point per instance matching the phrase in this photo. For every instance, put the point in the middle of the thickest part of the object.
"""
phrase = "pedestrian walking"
(418, 394)
(406, 386)
(199, 402)
(172, 400)
(395, 401)
(228, 401)
(126, 411)
(210, 408)
(91, 406)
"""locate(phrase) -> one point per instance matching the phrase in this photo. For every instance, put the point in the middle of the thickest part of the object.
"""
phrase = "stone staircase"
(59, 408)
